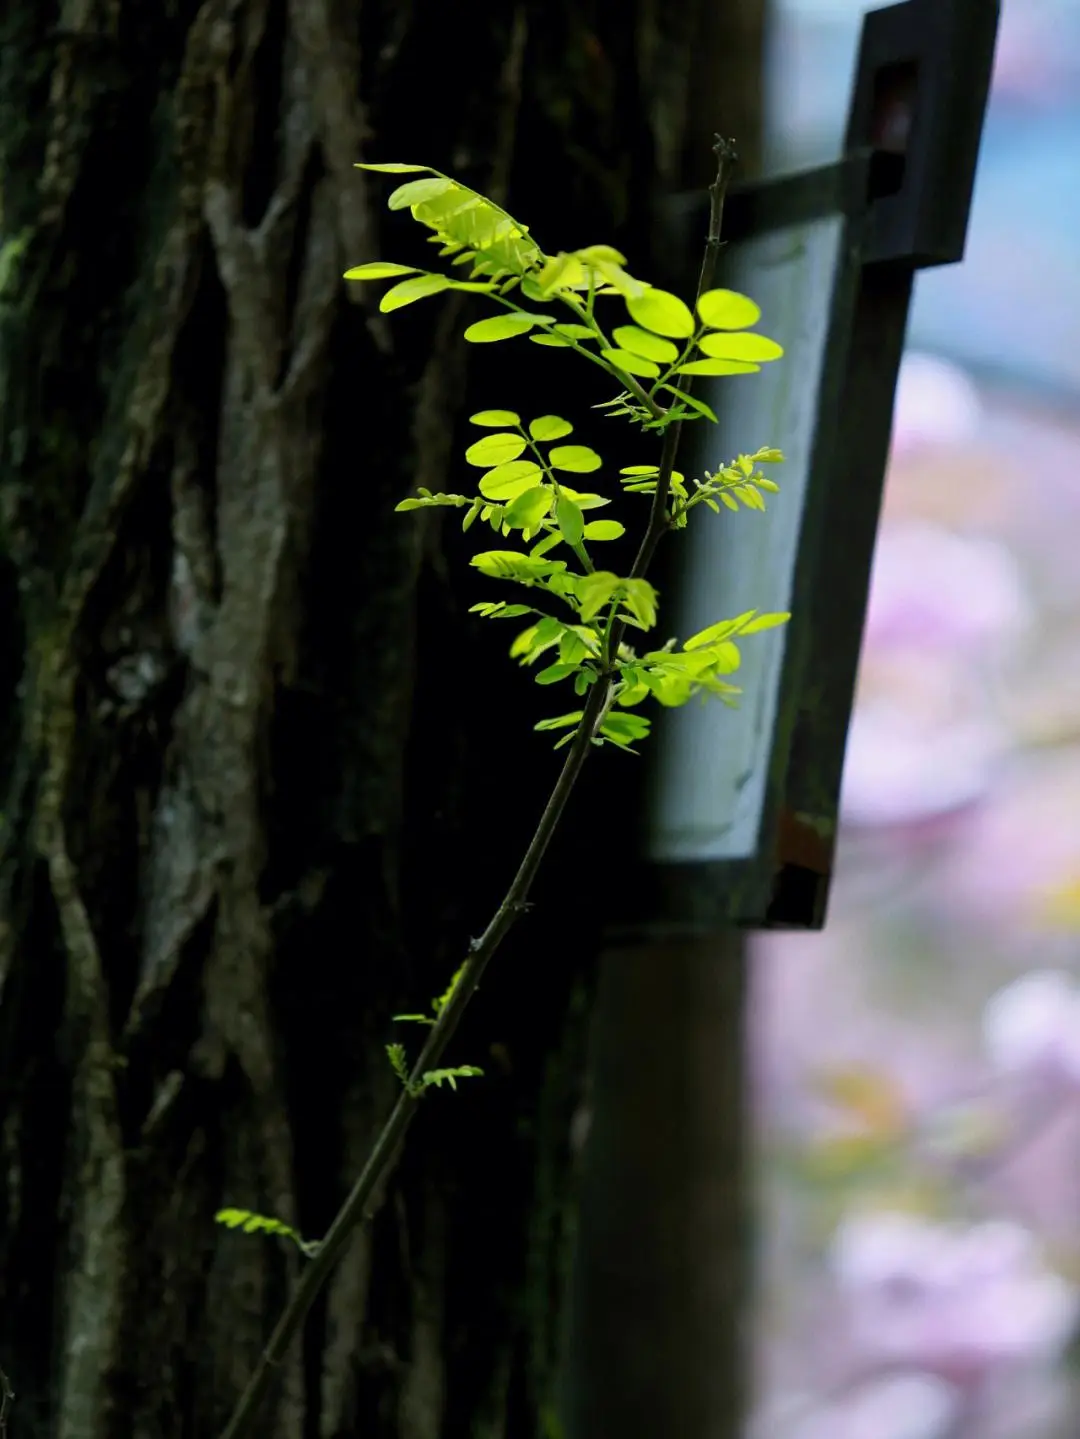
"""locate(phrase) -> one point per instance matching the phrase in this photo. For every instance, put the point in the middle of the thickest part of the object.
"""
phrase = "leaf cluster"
(252, 1223)
(662, 341)
(431, 1078)
(577, 614)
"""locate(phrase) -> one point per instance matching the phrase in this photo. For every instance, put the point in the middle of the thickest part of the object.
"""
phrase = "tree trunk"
(259, 788)
(660, 1321)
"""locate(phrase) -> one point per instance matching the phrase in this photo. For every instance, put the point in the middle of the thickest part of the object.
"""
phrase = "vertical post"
(658, 1341)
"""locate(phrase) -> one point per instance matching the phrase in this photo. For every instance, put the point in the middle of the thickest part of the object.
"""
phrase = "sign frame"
(902, 192)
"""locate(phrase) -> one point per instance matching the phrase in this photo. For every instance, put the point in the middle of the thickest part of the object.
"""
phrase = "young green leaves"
(656, 347)
(741, 482)
(252, 1223)
(431, 1078)
(523, 488)
(663, 342)
(524, 466)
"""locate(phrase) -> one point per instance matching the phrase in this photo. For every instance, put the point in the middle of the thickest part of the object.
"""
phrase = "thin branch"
(364, 1197)
(724, 150)
(358, 1207)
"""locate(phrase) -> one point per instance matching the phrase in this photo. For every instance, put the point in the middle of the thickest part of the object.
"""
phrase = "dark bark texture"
(258, 788)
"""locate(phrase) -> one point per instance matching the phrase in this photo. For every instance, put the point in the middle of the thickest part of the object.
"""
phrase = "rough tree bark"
(253, 801)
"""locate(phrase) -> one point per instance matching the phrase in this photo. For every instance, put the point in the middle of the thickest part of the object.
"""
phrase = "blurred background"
(917, 1065)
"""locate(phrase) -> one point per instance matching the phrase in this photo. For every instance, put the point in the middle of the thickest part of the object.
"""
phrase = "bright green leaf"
(595, 591)
(495, 449)
(378, 270)
(415, 192)
(438, 1077)
(572, 648)
(393, 169)
(670, 690)
(640, 342)
(506, 482)
(426, 498)
(568, 517)
(631, 364)
(552, 341)
(584, 502)
(547, 543)
(764, 622)
(633, 694)
(560, 272)
(494, 418)
(627, 726)
(500, 327)
(619, 282)
(718, 631)
(578, 459)
(695, 404)
(418, 288)
(641, 601)
(725, 658)
(740, 347)
(618, 731)
(513, 565)
(498, 609)
(530, 507)
(554, 673)
(727, 310)
(522, 643)
(749, 497)
(663, 313)
(560, 721)
(574, 332)
(600, 255)
(445, 214)
(473, 287)
(604, 530)
(550, 427)
(716, 367)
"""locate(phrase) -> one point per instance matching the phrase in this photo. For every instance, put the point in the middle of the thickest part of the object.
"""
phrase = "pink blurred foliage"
(960, 819)
(1021, 846)
(896, 1406)
(944, 607)
(951, 1300)
(1031, 1029)
(1030, 63)
(936, 405)
(932, 588)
